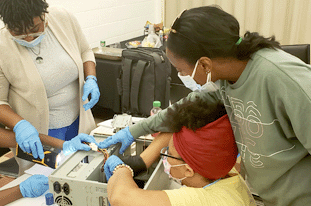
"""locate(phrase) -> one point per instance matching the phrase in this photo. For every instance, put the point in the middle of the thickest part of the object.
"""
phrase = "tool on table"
(51, 156)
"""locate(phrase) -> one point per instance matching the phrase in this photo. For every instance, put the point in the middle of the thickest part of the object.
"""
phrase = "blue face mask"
(32, 43)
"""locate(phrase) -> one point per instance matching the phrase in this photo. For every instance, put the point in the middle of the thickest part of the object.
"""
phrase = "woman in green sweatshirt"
(266, 93)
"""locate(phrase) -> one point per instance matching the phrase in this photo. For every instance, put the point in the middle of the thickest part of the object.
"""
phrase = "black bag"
(145, 77)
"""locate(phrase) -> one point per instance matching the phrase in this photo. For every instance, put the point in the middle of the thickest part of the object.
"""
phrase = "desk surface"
(37, 201)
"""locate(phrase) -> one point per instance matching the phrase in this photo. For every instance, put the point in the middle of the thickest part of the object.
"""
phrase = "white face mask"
(210, 86)
(188, 80)
(190, 83)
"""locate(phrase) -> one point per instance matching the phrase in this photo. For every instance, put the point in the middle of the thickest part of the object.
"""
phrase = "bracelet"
(123, 165)
(91, 77)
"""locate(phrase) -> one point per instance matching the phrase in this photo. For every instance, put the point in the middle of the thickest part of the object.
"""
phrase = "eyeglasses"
(164, 154)
(34, 35)
(174, 31)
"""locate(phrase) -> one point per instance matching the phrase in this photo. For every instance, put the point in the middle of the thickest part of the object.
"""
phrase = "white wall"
(111, 20)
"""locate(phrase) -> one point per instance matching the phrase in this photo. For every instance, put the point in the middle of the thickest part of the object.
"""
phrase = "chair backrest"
(302, 51)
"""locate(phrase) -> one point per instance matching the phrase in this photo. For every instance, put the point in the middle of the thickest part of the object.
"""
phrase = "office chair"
(302, 51)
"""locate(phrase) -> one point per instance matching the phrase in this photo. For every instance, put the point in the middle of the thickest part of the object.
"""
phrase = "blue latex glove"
(90, 87)
(27, 137)
(76, 143)
(110, 164)
(34, 186)
(124, 136)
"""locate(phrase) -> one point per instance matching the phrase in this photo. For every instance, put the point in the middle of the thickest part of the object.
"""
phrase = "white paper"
(38, 169)
(137, 119)
(107, 123)
(102, 130)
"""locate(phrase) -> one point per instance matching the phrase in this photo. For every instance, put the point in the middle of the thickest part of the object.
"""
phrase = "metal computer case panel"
(78, 183)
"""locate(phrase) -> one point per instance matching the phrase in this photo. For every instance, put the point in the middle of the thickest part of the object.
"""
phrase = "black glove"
(135, 162)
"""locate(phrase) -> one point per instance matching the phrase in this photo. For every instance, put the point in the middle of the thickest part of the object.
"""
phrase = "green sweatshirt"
(270, 112)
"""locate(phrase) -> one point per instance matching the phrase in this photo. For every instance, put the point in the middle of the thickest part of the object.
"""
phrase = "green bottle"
(156, 108)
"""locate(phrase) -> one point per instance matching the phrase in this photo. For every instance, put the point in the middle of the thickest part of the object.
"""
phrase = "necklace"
(39, 59)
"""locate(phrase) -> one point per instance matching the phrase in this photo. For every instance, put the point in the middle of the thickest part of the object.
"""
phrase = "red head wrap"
(211, 150)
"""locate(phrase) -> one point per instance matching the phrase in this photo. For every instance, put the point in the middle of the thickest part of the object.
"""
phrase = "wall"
(288, 20)
(111, 20)
(1, 24)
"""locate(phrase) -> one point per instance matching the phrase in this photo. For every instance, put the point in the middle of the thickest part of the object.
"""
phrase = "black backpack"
(145, 77)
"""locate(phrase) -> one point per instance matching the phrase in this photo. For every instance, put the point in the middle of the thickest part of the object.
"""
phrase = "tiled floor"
(101, 114)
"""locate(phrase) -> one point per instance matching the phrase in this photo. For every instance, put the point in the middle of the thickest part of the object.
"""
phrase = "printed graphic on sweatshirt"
(246, 121)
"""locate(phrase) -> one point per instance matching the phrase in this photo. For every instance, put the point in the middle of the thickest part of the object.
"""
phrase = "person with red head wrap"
(210, 151)
(199, 156)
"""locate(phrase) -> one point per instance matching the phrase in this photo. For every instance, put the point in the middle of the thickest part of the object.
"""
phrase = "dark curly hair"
(209, 31)
(193, 114)
(18, 15)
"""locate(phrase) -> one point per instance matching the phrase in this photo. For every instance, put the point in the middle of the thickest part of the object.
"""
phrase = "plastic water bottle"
(161, 36)
(102, 46)
(152, 40)
(156, 109)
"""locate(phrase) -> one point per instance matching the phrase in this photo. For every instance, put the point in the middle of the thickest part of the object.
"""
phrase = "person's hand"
(34, 186)
(27, 137)
(76, 143)
(90, 87)
(110, 164)
(124, 136)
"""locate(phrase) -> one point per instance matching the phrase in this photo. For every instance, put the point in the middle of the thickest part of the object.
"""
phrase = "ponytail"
(252, 42)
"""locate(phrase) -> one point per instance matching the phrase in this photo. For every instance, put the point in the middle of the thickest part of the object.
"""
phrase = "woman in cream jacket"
(24, 96)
